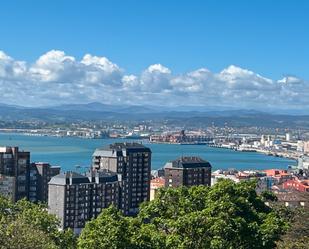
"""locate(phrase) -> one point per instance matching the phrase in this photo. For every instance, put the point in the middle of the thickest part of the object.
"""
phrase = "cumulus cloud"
(155, 78)
(194, 82)
(56, 77)
(55, 66)
(100, 70)
(241, 79)
(10, 68)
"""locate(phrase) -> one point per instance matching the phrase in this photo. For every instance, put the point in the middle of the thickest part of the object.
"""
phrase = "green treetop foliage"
(109, 230)
(227, 215)
(27, 225)
(297, 236)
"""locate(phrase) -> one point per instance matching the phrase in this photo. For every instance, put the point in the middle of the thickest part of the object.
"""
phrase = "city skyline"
(154, 124)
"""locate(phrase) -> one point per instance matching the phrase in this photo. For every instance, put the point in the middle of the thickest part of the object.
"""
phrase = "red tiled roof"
(276, 172)
(157, 182)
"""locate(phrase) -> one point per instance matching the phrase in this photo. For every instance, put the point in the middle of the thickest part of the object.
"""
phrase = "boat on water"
(196, 143)
(134, 135)
(246, 150)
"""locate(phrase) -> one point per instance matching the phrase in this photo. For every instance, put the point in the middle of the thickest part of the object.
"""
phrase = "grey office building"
(132, 161)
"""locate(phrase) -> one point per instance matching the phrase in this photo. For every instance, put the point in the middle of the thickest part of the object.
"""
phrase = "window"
(21, 188)
(22, 161)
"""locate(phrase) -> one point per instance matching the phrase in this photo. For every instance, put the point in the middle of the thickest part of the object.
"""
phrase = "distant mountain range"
(99, 107)
(185, 114)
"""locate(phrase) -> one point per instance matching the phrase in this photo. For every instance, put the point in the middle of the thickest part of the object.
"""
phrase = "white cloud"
(290, 80)
(11, 69)
(155, 78)
(130, 82)
(100, 70)
(56, 78)
(193, 82)
(242, 79)
(158, 68)
(55, 66)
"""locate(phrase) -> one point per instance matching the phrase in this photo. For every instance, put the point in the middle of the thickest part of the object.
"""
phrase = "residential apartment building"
(155, 184)
(279, 175)
(306, 147)
(15, 164)
(132, 161)
(303, 162)
(293, 198)
(76, 198)
(296, 184)
(7, 186)
(187, 171)
(40, 175)
(21, 179)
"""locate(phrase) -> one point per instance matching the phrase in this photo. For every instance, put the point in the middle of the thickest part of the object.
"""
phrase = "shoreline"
(262, 152)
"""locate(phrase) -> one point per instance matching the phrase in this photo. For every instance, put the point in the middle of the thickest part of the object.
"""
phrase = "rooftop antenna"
(80, 168)
(77, 167)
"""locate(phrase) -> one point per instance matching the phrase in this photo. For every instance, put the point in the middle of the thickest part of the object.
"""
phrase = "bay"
(72, 153)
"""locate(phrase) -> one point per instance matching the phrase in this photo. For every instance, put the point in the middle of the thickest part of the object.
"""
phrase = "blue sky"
(269, 38)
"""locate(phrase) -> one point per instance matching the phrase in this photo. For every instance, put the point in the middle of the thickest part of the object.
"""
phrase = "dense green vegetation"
(25, 225)
(227, 215)
(297, 237)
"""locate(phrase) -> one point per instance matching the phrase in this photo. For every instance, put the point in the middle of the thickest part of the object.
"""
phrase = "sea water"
(73, 153)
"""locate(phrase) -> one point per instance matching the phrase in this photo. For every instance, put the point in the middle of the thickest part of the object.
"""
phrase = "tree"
(269, 196)
(20, 235)
(28, 225)
(297, 237)
(227, 215)
(109, 230)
